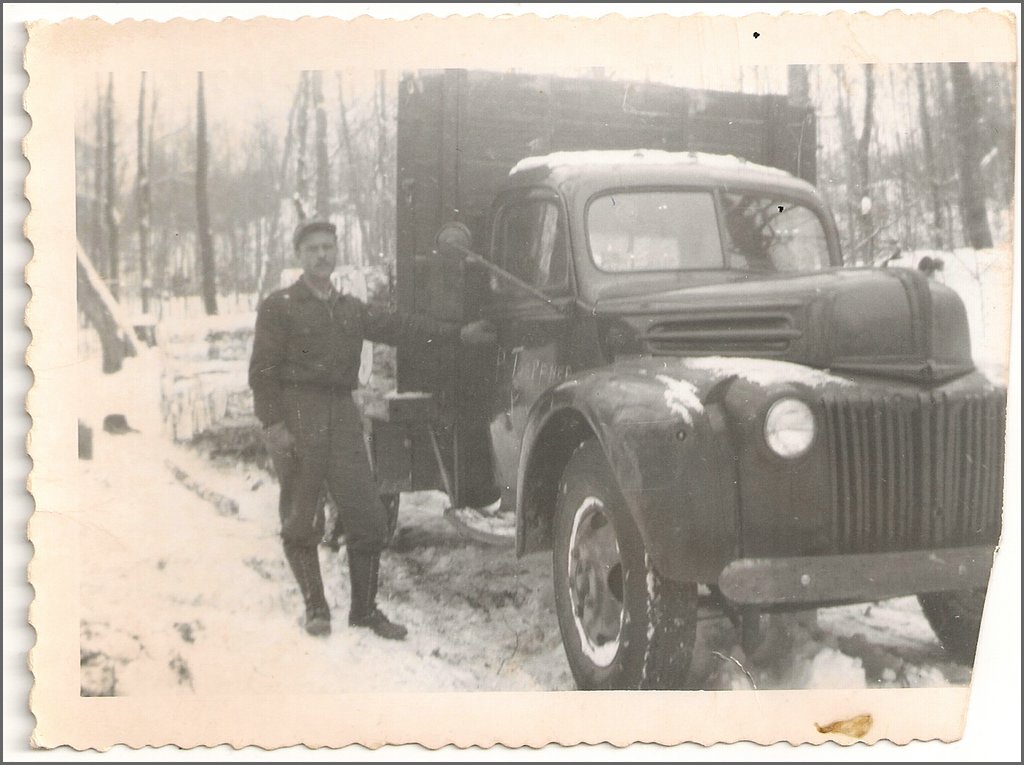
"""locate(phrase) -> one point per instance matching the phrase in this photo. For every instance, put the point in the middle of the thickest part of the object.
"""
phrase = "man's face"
(318, 254)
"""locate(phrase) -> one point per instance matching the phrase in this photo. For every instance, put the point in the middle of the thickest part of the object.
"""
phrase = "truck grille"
(769, 334)
(912, 473)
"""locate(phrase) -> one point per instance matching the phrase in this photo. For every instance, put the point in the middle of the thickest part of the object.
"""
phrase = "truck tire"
(955, 618)
(623, 625)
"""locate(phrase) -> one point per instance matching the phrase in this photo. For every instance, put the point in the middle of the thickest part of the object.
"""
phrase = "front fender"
(666, 439)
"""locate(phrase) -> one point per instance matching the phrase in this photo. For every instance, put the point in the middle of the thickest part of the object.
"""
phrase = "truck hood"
(885, 322)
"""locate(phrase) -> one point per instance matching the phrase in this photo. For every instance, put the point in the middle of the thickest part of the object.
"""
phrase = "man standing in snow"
(304, 368)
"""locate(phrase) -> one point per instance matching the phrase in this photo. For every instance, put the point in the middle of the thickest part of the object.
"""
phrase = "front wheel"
(955, 618)
(623, 625)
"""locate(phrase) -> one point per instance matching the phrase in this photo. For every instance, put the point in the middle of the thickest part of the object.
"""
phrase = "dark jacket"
(301, 339)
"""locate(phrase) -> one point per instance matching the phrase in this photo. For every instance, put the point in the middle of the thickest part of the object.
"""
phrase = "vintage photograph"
(588, 376)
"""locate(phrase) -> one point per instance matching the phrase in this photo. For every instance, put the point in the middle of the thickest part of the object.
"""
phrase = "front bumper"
(856, 578)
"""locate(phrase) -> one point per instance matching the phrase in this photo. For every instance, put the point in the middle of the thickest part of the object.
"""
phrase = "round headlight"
(789, 427)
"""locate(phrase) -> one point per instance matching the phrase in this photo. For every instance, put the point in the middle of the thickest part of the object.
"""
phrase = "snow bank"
(198, 328)
(177, 599)
(134, 392)
(832, 669)
(205, 371)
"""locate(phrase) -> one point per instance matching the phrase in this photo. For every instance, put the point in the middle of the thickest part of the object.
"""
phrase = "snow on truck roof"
(640, 157)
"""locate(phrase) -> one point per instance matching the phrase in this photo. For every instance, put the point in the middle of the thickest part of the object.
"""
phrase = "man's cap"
(309, 226)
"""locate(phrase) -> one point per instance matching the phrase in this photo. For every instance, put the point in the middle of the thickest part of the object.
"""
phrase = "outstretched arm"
(389, 326)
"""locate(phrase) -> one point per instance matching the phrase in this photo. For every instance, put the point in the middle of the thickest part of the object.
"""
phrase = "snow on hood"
(681, 397)
(637, 157)
(765, 372)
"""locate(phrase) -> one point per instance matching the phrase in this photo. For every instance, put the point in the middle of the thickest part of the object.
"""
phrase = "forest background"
(190, 183)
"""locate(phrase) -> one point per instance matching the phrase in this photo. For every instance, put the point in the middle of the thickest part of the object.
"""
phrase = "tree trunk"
(274, 252)
(383, 174)
(110, 211)
(158, 246)
(848, 141)
(97, 238)
(302, 127)
(799, 85)
(972, 191)
(235, 261)
(103, 312)
(143, 197)
(905, 219)
(323, 165)
(867, 234)
(946, 147)
(203, 235)
(355, 188)
(996, 82)
(930, 169)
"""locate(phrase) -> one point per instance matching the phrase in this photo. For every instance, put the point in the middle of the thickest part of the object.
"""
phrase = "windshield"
(639, 231)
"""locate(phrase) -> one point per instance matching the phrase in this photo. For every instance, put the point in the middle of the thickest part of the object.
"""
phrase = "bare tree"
(302, 128)
(143, 196)
(848, 140)
(972, 191)
(159, 266)
(355, 187)
(96, 239)
(269, 232)
(323, 165)
(996, 92)
(900, 161)
(385, 202)
(204, 236)
(799, 84)
(110, 211)
(867, 234)
(102, 311)
(930, 169)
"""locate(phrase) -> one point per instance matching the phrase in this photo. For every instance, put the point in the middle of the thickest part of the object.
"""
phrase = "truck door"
(530, 241)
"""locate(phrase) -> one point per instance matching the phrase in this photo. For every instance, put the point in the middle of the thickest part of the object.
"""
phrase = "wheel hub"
(595, 582)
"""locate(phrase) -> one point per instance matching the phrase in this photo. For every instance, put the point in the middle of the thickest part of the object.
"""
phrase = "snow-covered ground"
(178, 598)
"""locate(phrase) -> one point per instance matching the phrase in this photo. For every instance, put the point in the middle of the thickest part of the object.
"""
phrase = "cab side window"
(531, 244)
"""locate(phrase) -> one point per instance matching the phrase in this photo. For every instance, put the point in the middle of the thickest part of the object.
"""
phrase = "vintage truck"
(690, 399)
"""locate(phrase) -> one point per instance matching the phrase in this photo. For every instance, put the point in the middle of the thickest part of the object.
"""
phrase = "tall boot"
(364, 570)
(305, 565)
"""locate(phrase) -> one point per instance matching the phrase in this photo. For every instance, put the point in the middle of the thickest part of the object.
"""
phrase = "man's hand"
(279, 440)
(481, 332)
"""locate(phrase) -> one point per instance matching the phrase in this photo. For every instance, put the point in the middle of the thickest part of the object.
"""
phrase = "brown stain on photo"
(855, 727)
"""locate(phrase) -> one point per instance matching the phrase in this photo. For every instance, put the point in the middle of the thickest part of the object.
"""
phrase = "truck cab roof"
(650, 167)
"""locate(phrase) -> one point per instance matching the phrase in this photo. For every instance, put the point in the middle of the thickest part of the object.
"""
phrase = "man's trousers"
(329, 449)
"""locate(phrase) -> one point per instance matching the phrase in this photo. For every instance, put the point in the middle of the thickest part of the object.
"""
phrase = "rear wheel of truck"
(955, 618)
(623, 625)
